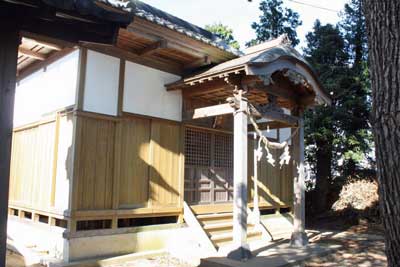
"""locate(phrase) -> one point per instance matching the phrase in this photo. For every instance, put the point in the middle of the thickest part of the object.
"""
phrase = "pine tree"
(358, 133)
(275, 20)
(223, 32)
(354, 29)
(341, 131)
(325, 52)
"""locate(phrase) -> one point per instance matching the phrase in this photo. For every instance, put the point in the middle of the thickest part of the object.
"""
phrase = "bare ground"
(355, 252)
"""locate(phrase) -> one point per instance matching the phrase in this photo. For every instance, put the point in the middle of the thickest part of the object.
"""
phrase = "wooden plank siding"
(94, 172)
(275, 183)
(34, 163)
(127, 163)
(134, 163)
(130, 166)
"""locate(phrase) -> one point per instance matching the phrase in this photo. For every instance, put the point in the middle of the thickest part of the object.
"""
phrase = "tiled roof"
(169, 21)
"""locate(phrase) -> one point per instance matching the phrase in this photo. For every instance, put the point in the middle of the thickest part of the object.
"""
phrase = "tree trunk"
(383, 27)
(323, 175)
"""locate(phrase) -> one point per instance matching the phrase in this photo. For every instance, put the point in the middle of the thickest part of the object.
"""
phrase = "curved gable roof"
(263, 60)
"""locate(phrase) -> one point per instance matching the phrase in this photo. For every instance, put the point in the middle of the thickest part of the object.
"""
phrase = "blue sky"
(239, 14)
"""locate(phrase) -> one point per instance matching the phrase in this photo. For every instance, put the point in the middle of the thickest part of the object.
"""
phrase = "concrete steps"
(219, 226)
(279, 226)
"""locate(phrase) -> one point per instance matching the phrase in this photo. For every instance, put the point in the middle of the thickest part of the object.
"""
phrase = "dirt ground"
(360, 252)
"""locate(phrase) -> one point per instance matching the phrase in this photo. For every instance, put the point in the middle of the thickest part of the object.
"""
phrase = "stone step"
(228, 235)
(224, 240)
(214, 216)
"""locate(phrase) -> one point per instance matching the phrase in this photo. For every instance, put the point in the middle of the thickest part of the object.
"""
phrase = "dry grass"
(357, 195)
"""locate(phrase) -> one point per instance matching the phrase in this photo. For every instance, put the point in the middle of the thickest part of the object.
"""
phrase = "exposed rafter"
(31, 54)
(44, 44)
(151, 49)
(41, 64)
(206, 60)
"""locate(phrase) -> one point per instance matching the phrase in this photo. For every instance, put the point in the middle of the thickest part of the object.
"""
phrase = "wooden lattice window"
(197, 147)
(223, 152)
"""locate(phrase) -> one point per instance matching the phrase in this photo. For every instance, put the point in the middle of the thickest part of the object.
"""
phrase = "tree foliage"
(354, 30)
(274, 21)
(341, 132)
(223, 32)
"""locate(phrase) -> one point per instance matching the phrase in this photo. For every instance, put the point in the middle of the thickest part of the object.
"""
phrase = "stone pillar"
(299, 237)
(9, 42)
(240, 247)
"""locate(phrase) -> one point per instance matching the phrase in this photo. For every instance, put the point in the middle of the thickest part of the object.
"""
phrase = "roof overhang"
(259, 67)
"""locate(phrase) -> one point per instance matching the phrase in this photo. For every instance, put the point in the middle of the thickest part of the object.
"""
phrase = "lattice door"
(208, 167)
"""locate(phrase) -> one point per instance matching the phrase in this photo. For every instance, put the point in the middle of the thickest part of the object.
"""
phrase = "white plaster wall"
(64, 164)
(46, 90)
(144, 93)
(101, 83)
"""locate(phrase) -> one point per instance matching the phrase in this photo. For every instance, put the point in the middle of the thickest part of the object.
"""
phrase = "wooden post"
(241, 249)
(9, 42)
(299, 236)
(256, 208)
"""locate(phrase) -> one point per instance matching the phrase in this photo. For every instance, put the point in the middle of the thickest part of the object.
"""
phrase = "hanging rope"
(285, 156)
(284, 159)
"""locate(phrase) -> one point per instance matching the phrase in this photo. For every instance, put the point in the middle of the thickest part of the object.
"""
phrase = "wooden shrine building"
(164, 136)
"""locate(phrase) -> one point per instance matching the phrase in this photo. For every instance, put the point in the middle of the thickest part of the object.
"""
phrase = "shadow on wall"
(149, 162)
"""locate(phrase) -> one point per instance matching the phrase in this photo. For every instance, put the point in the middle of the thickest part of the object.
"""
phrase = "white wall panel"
(46, 90)
(145, 94)
(101, 83)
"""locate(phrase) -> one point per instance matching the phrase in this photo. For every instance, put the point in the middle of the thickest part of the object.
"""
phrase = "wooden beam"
(206, 60)
(171, 43)
(212, 111)
(277, 116)
(121, 86)
(269, 125)
(207, 87)
(81, 79)
(130, 55)
(151, 49)
(44, 44)
(41, 64)
(47, 41)
(9, 42)
(31, 54)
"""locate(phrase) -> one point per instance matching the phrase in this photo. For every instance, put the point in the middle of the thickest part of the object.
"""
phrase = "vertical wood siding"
(134, 163)
(148, 161)
(94, 172)
(164, 169)
(32, 166)
(35, 164)
(120, 164)
(275, 182)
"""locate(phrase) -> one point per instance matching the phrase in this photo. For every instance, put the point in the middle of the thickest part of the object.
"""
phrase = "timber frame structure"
(163, 142)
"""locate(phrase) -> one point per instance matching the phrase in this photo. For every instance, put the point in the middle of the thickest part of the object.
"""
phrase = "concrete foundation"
(56, 244)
